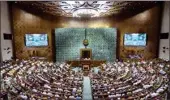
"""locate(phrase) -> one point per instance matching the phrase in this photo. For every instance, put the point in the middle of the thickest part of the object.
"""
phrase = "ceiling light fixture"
(86, 8)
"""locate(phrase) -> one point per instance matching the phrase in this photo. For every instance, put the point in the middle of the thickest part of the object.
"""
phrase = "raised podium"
(86, 61)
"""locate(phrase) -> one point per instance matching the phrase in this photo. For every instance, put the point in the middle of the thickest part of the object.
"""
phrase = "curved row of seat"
(40, 80)
(142, 80)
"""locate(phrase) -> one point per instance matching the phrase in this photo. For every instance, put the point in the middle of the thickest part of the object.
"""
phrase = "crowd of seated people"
(142, 80)
(39, 80)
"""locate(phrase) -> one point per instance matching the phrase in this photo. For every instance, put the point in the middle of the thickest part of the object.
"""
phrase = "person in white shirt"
(74, 90)
(23, 96)
(47, 86)
(34, 90)
(71, 97)
(44, 92)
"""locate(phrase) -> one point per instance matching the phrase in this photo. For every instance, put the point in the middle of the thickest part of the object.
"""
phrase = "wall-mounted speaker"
(164, 35)
(7, 36)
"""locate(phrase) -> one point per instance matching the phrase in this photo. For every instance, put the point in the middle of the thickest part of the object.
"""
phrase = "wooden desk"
(86, 62)
(94, 63)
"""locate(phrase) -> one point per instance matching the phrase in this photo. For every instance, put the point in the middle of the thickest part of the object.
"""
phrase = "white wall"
(5, 28)
(165, 29)
(0, 45)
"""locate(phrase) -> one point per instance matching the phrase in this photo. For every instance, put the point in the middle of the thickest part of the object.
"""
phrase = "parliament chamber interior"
(85, 50)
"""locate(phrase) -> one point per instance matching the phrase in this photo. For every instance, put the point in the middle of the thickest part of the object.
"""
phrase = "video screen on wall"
(135, 39)
(36, 40)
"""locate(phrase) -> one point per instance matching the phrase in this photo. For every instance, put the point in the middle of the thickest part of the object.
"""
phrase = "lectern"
(85, 58)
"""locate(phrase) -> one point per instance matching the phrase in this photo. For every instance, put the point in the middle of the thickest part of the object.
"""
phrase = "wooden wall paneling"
(29, 23)
(147, 21)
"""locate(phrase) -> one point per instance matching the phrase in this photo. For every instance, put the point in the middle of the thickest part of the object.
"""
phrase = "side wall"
(0, 42)
(6, 45)
(164, 53)
(147, 21)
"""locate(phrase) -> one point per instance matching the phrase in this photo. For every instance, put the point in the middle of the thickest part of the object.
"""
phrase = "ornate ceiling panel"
(86, 8)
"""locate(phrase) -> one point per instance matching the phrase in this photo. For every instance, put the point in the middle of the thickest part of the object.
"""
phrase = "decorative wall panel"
(103, 42)
(69, 41)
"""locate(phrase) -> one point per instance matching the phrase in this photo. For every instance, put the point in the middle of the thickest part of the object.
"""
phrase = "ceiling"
(86, 8)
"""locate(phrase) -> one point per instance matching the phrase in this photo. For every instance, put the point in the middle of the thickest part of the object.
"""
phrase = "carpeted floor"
(95, 69)
(87, 92)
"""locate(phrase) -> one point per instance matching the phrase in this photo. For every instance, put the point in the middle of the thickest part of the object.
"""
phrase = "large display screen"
(135, 39)
(36, 40)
